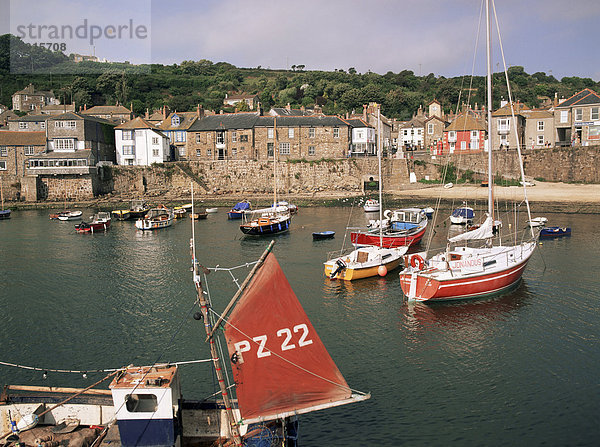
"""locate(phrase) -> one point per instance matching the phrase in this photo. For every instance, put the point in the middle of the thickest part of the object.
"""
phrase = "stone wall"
(256, 177)
(569, 165)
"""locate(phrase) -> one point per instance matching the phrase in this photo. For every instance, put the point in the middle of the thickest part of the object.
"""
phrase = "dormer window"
(175, 121)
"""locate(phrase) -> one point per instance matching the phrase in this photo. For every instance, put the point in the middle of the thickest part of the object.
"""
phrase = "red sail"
(279, 362)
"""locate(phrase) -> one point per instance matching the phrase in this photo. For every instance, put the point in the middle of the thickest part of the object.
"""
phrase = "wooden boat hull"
(388, 240)
(121, 214)
(4, 214)
(235, 215)
(467, 287)
(198, 216)
(265, 228)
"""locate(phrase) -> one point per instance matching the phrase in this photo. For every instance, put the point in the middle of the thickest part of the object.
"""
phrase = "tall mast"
(379, 130)
(488, 18)
(275, 163)
(211, 341)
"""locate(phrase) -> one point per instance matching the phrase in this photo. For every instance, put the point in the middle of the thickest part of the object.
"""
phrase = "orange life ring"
(416, 261)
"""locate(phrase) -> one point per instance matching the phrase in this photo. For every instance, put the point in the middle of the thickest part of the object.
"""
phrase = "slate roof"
(17, 138)
(186, 120)
(284, 111)
(58, 107)
(29, 118)
(417, 121)
(357, 122)
(585, 97)
(225, 121)
(301, 121)
(538, 114)
(78, 116)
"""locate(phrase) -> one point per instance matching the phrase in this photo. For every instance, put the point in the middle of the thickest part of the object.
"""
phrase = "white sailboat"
(368, 260)
(462, 271)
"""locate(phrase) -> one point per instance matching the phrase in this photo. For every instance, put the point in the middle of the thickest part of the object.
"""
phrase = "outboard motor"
(341, 265)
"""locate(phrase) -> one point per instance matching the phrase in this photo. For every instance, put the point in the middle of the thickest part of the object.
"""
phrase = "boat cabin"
(146, 402)
(407, 218)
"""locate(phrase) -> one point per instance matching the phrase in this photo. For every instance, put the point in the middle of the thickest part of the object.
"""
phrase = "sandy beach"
(543, 196)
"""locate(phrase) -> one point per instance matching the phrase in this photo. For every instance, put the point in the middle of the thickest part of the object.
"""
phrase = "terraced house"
(577, 119)
(245, 136)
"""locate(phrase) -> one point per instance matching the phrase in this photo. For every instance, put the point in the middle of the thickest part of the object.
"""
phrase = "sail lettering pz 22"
(280, 365)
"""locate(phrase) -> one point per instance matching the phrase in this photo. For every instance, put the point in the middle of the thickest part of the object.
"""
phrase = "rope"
(76, 371)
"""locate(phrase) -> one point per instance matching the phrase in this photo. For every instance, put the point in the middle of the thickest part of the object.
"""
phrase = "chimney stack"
(147, 115)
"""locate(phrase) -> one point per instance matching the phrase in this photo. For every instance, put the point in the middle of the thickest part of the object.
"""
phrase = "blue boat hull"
(551, 232)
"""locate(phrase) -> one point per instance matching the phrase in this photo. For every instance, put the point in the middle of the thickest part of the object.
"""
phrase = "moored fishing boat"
(319, 235)
(137, 209)
(156, 218)
(552, 232)
(372, 206)
(462, 215)
(121, 214)
(403, 227)
(98, 222)
(69, 215)
(267, 221)
(238, 210)
(462, 271)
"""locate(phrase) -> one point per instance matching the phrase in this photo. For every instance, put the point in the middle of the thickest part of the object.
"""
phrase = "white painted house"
(139, 143)
(364, 138)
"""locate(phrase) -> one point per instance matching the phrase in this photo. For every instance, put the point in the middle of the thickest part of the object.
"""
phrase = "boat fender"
(417, 262)
(234, 358)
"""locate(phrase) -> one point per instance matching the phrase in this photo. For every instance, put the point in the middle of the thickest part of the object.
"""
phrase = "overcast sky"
(426, 36)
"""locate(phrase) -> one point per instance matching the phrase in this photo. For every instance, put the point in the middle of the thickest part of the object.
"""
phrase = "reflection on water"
(511, 370)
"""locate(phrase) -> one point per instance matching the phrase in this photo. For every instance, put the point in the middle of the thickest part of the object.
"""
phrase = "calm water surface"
(520, 369)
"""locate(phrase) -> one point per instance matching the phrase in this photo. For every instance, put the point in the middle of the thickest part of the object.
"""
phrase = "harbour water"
(520, 369)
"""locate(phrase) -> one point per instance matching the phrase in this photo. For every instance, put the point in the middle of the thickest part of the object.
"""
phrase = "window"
(311, 150)
(180, 137)
(503, 124)
(405, 132)
(127, 135)
(3, 151)
(67, 124)
(234, 151)
(430, 128)
(419, 132)
(175, 121)
(595, 113)
(311, 132)
(64, 144)
(2, 165)
(198, 153)
(540, 126)
(155, 152)
(503, 140)
(336, 132)
(243, 138)
(540, 140)
(270, 133)
(220, 137)
(291, 132)
(270, 149)
(463, 145)
(452, 135)
(564, 116)
(29, 150)
(474, 134)
(155, 141)
(181, 151)
(209, 153)
(43, 125)
(578, 114)
(127, 150)
(23, 125)
(130, 161)
(284, 148)
(233, 136)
